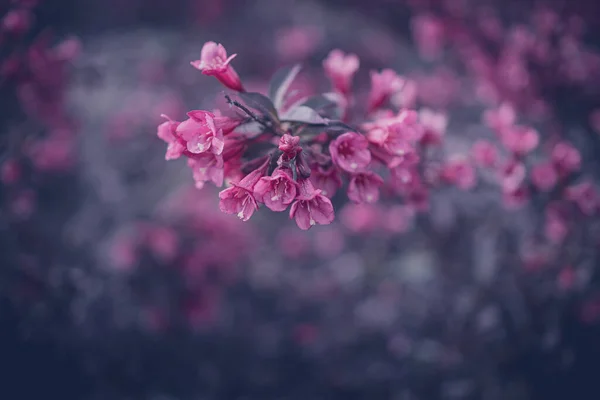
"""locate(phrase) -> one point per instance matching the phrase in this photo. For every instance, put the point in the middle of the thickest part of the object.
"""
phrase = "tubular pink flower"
(214, 62)
(389, 139)
(384, 85)
(555, 227)
(520, 140)
(543, 176)
(326, 179)
(226, 124)
(386, 118)
(311, 207)
(364, 187)
(565, 158)
(290, 145)
(434, 127)
(276, 191)
(404, 179)
(340, 69)
(407, 96)
(239, 201)
(459, 172)
(484, 154)
(515, 198)
(239, 198)
(16, 21)
(428, 33)
(397, 135)
(167, 132)
(408, 159)
(418, 198)
(207, 167)
(350, 152)
(501, 118)
(201, 135)
(512, 176)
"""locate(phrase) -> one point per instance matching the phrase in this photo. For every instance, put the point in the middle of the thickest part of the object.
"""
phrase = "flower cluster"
(37, 71)
(198, 250)
(526, 173)
(299, 153)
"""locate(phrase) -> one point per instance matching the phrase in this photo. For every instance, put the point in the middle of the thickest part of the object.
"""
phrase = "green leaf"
(325, 104)
(260, 103)
(305, 115)
(280, 84)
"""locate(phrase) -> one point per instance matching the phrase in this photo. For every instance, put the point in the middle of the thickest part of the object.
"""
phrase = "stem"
(246, 110)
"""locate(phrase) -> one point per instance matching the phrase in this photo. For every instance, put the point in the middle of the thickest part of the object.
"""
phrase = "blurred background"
(120, 280)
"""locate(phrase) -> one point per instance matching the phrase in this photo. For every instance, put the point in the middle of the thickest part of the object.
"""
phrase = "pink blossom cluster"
(186, 239)
(299, 153)
(528, 64)
(38, 71)
(524, 171)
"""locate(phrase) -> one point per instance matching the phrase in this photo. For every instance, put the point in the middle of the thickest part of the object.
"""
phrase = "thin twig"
(246, 110)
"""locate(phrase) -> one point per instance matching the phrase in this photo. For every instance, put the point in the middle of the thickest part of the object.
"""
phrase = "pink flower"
(407, 96)
(167, 132)
(340, 68)
(214, 62)
(326, 179)
(207, 167)
(515, 198)
(520, 140)
(16, 21)
(386, 118)
(392, 147)
(311, 207)
(460, 172)
(484, 153)
(404, 179)
(350, 152)
(226, 124)
(501, 118)
(54, 152)
(201, 135)
(565, 158)
(418, 197)
(290, 145)
(384, 85)
(434, 126)
(512, 176)
(555, 227)
(585, 196)
(428, 32)
(364, 187)
(543, 176)
(239, 198)
(276, 191)
(397, 136)
(162, 241)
